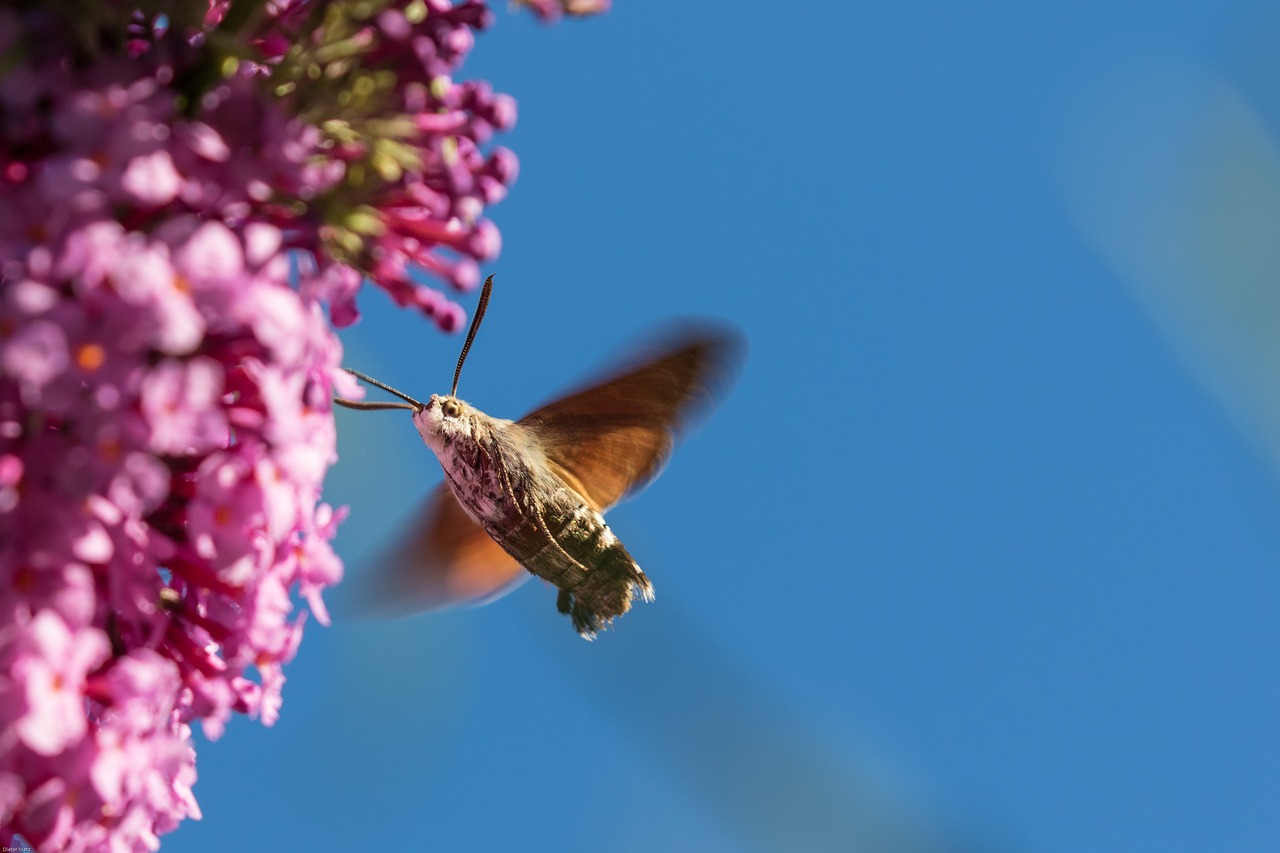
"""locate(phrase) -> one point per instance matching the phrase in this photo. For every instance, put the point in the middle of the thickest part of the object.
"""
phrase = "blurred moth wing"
(439, 557)
(606, 442)
(611, 439)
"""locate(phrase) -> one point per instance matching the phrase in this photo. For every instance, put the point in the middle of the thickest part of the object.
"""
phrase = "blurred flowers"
(182, 193)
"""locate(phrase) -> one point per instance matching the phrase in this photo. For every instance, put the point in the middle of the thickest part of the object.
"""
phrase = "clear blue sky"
(972, 558)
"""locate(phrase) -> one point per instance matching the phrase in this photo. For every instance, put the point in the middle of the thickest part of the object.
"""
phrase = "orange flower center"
(89, 357)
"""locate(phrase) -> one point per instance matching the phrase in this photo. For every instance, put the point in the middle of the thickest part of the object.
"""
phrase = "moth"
(529, 496)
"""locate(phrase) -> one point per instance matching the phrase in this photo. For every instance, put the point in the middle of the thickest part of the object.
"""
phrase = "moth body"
(502, 479)
(531, 494)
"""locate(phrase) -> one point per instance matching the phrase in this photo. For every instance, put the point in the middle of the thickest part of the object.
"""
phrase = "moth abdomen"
(606, 592)
(596, 575)
(608, 589)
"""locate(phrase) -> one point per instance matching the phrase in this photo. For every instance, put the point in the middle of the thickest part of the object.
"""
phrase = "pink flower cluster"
(180, 197)
(164, 433)
(413, 178)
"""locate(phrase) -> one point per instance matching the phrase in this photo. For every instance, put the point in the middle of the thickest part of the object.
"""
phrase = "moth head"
(445, 418)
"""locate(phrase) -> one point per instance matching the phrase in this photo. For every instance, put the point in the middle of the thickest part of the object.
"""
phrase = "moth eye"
(450, 408)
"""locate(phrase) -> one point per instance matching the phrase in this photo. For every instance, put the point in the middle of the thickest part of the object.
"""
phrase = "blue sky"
(981, 551)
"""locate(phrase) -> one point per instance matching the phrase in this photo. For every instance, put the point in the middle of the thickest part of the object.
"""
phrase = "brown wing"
(611, 439)
(443, 558)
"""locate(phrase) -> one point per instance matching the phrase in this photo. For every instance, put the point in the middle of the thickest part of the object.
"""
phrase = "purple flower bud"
(394, 24)
(502, 113)
(484, 242)
(503, 166)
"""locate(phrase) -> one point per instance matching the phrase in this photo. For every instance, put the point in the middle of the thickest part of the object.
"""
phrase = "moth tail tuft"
(645, 587)
(592, 610)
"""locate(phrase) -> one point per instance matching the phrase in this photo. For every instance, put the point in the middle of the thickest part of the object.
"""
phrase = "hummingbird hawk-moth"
(531, 494)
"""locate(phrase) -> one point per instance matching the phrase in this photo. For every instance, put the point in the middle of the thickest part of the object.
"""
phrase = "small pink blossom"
(278, 320)
(211, 257)
(53, 674)
(35, 354)
(226, 518)
(144, 276)
(91, 543)
(182, 406)
(151, 179)
(262, 243)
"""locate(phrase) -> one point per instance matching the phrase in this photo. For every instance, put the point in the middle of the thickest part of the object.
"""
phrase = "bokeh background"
(982, 552)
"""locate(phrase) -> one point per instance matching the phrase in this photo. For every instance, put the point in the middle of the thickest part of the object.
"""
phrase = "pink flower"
(151, 179)
(212, 257)
(34, 355)
(182, 406)
(226, 522)
(278, 319)
(53, 673)
(144, 277)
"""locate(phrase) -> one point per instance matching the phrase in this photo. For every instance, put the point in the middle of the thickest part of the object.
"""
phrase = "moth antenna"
(357, 404)
(471, 334)
(369, 407)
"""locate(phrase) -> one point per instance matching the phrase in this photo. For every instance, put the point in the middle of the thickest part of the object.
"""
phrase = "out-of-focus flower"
(181, 197)
(549, 10)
